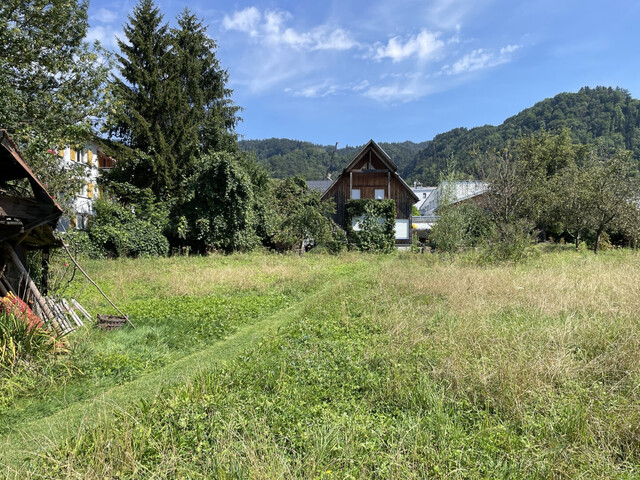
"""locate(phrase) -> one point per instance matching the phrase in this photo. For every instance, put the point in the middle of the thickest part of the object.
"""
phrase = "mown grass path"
(30, 438)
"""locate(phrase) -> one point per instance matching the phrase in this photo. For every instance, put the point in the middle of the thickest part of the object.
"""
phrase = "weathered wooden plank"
(27, 209)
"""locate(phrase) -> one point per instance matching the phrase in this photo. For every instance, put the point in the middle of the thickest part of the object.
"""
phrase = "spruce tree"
(144, 98)
(209, 116)
(173, 103)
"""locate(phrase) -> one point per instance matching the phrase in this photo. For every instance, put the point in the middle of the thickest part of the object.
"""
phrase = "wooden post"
(66, 249)
(45, 271)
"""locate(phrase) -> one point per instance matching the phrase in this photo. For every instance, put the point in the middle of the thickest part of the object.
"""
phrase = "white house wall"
(83, 203)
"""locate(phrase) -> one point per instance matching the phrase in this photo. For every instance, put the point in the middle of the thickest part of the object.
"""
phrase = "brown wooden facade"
(372, 169)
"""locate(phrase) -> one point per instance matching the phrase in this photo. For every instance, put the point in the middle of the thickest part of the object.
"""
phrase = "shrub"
(509, 241)
(117, 231)
(338, 242)
(377, 226)
(461, 226)
(218, 211)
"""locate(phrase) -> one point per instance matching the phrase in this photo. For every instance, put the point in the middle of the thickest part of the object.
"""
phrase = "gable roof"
(371, 145)
(386, 159)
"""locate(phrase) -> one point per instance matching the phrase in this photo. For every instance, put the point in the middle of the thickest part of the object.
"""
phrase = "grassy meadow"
(351, 366)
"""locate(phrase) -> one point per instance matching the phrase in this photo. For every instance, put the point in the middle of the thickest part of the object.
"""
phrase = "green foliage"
(118, 230)
(218, 211)
(300, 216)
(51, 84)
(509, 241)
(461, 226)
(23, 339)
(377, 227)
(609, 115)
(338, 242)
(171, 100)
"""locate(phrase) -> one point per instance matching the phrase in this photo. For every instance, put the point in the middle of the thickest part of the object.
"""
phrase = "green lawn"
(357, 366)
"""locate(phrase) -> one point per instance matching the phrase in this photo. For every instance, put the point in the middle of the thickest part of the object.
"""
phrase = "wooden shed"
(28, 218)
(373, 175)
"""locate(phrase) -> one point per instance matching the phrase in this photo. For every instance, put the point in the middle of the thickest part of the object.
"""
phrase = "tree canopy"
(51, 83)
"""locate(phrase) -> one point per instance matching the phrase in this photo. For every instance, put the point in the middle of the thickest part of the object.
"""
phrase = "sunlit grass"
(401, 366)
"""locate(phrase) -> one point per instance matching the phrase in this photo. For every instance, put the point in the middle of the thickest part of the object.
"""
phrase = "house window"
(355, 194)
(424, 195)
(402, 229)
(356, 222)
(379, 194)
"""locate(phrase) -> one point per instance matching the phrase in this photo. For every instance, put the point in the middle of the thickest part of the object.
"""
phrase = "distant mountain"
(285, 158)
(604, 114)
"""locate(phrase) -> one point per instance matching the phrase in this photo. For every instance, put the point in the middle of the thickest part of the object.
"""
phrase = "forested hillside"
(601, 114)
(285, 158)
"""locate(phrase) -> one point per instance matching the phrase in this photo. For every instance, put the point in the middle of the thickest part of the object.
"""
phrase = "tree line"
(543, 186)
(180, 179)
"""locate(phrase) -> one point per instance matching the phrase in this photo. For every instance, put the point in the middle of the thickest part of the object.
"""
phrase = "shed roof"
(319, 185)
(30, 218)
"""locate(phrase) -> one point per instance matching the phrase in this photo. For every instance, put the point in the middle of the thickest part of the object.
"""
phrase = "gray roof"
(319, 185)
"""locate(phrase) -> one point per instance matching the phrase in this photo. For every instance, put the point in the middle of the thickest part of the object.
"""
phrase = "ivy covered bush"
(377, 225)
(117, 230)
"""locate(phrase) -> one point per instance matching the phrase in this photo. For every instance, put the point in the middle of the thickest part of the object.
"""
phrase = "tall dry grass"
(414, 367)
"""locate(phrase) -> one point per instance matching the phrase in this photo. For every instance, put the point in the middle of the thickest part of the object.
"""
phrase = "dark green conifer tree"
(206, 117)
(143, 116)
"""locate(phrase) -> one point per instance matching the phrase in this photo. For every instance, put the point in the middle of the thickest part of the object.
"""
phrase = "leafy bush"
(338, 242)
(509, 241)
(460, 226)
(117, 231)
(377, 227)
(218, 212)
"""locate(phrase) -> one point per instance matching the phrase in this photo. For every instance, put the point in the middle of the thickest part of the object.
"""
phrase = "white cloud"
(397, 92)
(105, 35)
(105, 16)
(480, 59)
(324, 89)
(425, 45)
(246, 20)
(509, 49)
(270, 26)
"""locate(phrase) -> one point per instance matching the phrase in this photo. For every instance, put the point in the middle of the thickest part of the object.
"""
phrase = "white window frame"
(379, 194)
(355, 194)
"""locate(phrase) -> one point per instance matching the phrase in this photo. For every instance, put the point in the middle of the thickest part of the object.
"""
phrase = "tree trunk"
(597, 244)
(577, 241)
(302, 247)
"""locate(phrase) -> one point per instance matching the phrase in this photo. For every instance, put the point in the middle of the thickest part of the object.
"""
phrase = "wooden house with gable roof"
(373, 175)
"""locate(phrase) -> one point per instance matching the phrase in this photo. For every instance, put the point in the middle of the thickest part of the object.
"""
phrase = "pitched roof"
(384, 157)
(319, 185)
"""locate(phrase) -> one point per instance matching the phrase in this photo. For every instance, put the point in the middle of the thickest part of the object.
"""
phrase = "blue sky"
(350, 70)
